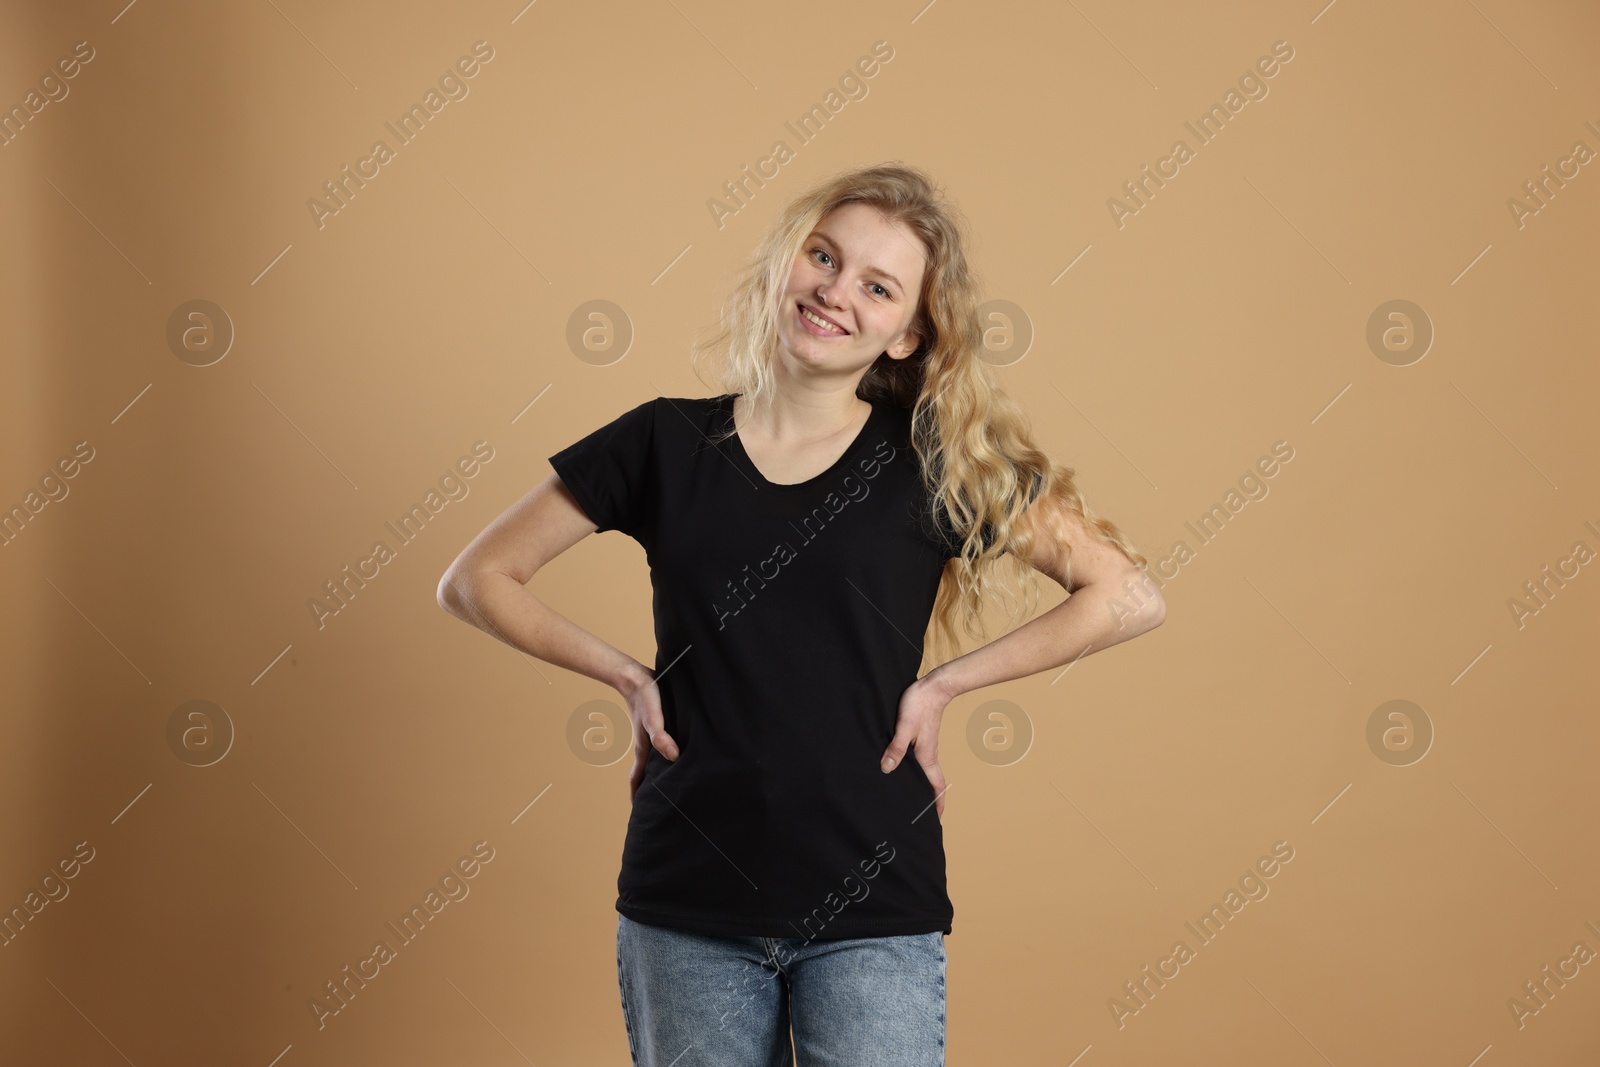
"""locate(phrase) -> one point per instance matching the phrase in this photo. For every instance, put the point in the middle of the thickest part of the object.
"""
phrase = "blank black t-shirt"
(789, 619)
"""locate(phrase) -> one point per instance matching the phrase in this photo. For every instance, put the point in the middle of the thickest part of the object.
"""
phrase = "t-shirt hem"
(836, 930)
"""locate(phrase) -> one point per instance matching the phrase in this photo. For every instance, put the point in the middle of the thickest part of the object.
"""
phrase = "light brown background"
(1229, 314)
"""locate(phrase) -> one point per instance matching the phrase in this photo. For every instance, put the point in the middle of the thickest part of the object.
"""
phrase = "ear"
(903, 347)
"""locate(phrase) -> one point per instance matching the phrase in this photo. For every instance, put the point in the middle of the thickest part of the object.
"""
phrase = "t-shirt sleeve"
(609, 473)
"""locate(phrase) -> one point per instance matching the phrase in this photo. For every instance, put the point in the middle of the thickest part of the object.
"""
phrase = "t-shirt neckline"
(749, 467)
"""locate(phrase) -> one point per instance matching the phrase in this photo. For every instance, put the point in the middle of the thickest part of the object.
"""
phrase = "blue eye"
(886, 294)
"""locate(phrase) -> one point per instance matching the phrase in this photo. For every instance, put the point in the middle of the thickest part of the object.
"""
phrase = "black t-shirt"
(789, 620)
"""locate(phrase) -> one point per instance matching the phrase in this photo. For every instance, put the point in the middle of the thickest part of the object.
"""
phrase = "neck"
(797, 417)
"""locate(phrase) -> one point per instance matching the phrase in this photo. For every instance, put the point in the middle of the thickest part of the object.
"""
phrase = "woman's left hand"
(921, 712)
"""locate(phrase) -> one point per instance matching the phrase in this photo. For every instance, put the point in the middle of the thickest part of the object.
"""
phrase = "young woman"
(783, 875)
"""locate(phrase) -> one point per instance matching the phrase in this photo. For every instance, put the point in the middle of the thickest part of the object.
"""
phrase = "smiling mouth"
(819, 322)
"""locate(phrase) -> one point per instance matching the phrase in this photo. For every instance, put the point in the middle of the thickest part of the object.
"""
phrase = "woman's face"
(863, 274)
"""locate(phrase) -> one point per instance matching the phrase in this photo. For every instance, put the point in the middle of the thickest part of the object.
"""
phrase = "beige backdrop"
(217, 396)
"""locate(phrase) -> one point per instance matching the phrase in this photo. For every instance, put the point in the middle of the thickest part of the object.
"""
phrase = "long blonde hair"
(974, 445)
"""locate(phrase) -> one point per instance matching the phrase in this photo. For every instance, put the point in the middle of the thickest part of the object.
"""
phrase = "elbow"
(460, 589)
(1152, 607)
(448, 593)
(1153, 611)
(1127, 617)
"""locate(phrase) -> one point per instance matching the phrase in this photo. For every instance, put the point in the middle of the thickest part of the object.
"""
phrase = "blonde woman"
(782, 889)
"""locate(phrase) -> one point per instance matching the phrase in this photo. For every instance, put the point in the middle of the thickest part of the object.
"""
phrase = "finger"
(663, 743)
(896, 752)
(650, 731)
(937, 780)
(641, 755)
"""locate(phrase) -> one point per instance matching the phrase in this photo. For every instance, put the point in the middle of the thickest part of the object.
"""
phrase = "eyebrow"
(873, 270)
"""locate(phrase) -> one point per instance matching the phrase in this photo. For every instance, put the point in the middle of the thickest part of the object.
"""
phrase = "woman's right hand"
(649, 726)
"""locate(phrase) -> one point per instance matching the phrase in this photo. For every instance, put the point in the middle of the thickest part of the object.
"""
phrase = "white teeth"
(821, 322)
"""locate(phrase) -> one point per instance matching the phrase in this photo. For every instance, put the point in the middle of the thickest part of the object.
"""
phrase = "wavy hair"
(974, 445)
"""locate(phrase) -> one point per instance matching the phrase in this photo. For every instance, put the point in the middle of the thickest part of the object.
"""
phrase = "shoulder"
(671, 414)
(696, 403)
(691, 407)
(693, 419)
(896, 422)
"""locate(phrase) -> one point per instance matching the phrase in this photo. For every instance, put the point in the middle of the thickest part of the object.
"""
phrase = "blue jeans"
(693, 1000)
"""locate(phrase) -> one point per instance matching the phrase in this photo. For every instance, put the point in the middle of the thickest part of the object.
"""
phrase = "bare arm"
(1111, 601)
(487, 586)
